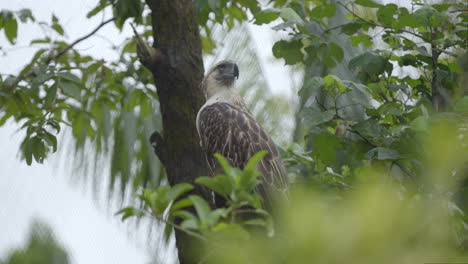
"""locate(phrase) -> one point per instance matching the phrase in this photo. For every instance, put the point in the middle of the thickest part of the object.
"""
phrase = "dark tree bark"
(177, 66)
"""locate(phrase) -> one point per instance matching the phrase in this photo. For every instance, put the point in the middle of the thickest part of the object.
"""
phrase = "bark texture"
(177, 66)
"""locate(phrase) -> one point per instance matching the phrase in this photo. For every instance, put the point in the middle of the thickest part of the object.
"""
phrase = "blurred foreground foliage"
(377, 220)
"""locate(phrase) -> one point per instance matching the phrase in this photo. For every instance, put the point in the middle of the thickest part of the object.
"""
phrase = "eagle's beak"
(231, 71)
(236, 71)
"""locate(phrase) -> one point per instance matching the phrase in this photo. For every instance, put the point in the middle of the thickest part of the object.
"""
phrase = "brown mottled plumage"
(226, 127)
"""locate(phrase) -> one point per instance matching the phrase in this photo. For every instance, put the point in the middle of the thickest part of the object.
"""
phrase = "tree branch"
(148, 56)
(365, 22)
(51, 58)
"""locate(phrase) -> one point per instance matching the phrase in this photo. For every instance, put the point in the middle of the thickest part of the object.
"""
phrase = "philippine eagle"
(226, 126)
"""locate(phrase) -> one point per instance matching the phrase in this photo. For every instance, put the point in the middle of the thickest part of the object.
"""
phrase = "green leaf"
(463, 34)
(421, 124)
(26, 148)
(334, 86)
(224, 231)
(266, 16)
(361, 38)
(181, 204)
(201, 206)
(369, 127)
(190, 224)
(371, 63)
(220, 184)
(350, 28)
(177, 190)
(461, 105)
(50, 139)
(309, 87)
(336, 52)
(284, 25)
(368, 3)
(128, 212)
(224, 163)
(58, 28)
(407, 20)
(392, 109)
(25, 14)
(313, 116)
(254, 160)
(382, 154)
(38, 149)
(184, 215)
(288, 14)
(40, 41)
(51, 95)
(70, 89)
(215, 215)
(102, 4)
(429, 17)
(11, 29)
(290, 51)
(54, 124)
(385, 14)
(124, 9)
(255, 222)
(322, 11)
(325, 147)
(54, 19)
(69, 76)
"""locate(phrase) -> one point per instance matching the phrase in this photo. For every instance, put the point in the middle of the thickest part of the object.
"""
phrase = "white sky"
(91, 234)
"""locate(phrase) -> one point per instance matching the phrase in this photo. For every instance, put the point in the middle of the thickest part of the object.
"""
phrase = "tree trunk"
(177, 66)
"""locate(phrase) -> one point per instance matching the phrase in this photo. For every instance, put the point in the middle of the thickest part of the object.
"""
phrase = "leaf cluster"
(194, 215)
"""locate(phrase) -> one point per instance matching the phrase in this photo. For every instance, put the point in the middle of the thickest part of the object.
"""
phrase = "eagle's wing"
(231, 131)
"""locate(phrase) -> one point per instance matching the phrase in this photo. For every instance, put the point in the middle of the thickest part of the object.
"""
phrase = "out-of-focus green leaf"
(70, 89)
(220, 184)
(313, 116)
(177, 190)
(462, 104)
(368, 3)
(11, 29)
(288, 14)
(290, 51)
(322, 11)
(266, 16)
(382, 154)
(25, 14)
(201, 206)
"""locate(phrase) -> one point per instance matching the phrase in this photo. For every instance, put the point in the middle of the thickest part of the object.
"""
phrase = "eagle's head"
(222, 76)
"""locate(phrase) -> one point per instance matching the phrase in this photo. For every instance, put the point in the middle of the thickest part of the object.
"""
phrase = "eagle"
(226, 126)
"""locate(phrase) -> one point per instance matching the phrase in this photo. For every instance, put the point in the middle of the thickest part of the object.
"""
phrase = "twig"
(51, 58)
(363, 137)
(320, 104)
(365, 22)
(458, 10)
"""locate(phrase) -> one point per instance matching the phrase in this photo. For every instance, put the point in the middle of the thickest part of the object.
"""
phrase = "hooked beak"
(236, 71)
(231, 71)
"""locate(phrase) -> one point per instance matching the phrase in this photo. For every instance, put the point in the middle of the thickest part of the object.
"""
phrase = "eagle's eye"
(221, 67)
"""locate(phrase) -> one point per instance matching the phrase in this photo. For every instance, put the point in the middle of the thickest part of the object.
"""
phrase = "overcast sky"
(91, 234)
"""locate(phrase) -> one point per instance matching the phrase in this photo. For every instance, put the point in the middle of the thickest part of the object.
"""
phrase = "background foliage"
(41, 247)
(378, 139)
